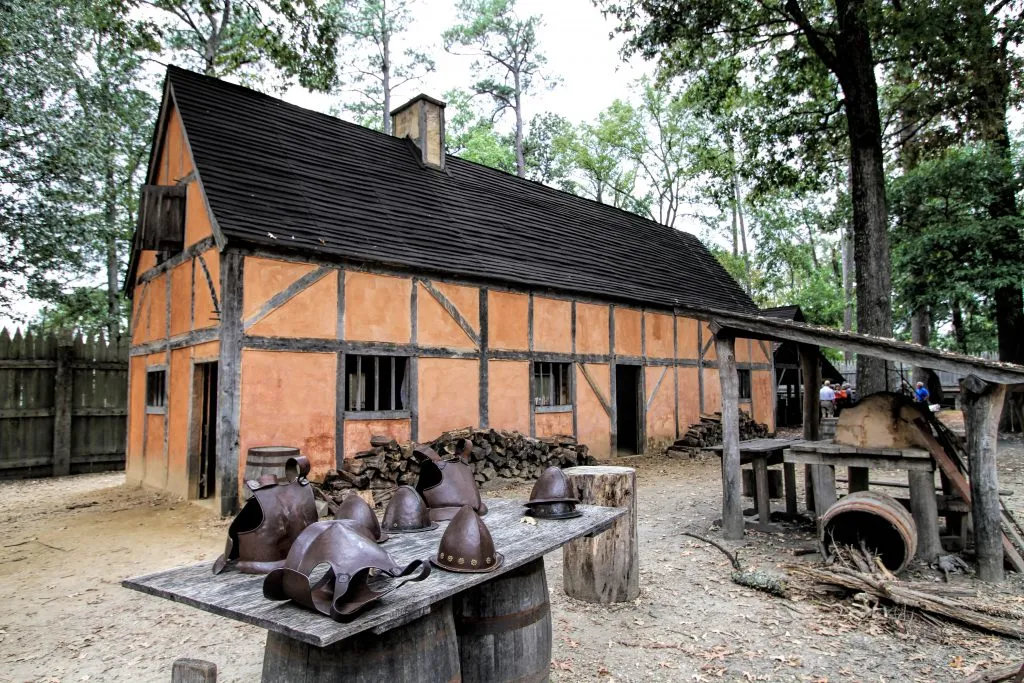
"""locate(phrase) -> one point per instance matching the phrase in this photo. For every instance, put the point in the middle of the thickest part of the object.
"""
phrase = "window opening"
(551, 384)
(376, 383)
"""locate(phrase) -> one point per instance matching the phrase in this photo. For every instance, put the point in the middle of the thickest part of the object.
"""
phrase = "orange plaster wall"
(508, 398)
(760, 355)
(263, 278)
(743, 350)
(147, 259)
(181, 298)
(592, 421)
(658, 334)
(313, 312)
(552, 325)
(686, 328)
(155, 313)
(708, 340)
(661, 421)
(436, 327)
(206, 352)
(155, 469)
(712, 391)
(358, 433)
(197, 221)
(689, 397)
(288, 399)
(140, 300)
(508, 320)
(553, 424)
(205, 315)
(175, 162)
(449, 395)
(180, 377)
(136, 417)
(591, 328)
(377, 308)
(466, 299)
(761, 391)
(627, 332)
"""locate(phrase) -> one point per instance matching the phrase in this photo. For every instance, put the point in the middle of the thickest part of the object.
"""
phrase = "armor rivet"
(462, 560)
(488, 560)
(473, 563)
(450, 558)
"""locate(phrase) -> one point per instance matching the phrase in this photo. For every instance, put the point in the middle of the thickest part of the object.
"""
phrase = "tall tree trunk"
(959, 333)
(386, 70)
(847, 257)
(110, 224)
(921, 333)
(989, 103)
(520, 159)
(855, 70)
(743, 228)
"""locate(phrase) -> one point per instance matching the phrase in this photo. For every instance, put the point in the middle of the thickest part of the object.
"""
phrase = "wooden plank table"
(760, 454)
(240, 596)
(859, 461)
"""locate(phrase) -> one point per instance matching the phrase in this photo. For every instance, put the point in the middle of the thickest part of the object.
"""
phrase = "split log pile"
(708, 432)
(505, 455)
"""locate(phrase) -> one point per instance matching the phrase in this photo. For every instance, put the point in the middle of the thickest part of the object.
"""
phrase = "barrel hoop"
(473, 626)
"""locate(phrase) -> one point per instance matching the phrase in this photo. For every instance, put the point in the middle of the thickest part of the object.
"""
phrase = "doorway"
(204, 430)
(628, 410)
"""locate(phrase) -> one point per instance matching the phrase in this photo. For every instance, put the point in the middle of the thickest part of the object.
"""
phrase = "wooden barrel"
(267, 460)
(885, 527)
(504, 627)
(423, 651)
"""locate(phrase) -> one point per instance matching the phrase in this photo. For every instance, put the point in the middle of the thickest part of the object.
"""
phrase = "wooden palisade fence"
(63, 404)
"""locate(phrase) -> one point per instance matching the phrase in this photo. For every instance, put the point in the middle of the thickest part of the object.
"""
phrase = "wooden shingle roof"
(282, 177)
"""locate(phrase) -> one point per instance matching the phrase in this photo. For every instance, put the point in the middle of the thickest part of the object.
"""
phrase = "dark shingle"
(322, 185)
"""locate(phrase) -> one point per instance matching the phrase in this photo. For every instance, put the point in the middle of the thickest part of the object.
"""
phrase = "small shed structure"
(788, 380)
(299, 280)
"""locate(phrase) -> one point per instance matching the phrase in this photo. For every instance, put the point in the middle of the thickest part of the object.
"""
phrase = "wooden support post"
(605, 568)
(982, 404)
(764, 506)
(732, 490)
(857, 479)
(62, 394)
(925, 510)
(193, 671)
(821, 479)
(229, 373)
(789, 475)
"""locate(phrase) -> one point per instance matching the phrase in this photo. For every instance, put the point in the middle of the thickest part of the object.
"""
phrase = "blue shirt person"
(921, 394)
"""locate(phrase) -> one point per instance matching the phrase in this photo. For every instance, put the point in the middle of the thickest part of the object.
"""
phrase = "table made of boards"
(409, 634)
(760, 454)
(825, 456)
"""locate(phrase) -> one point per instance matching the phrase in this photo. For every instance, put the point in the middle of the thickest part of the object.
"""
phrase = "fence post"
(62, 393)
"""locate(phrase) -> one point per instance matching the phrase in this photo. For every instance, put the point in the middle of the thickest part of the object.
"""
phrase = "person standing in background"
(827, 399)
(921, 394)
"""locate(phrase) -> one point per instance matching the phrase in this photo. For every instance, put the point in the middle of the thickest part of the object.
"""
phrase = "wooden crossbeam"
(597, 392)
(285, 295)
(452, 310)
(657, 385)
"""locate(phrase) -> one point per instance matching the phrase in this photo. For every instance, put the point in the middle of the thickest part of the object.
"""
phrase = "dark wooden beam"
(755, 327)
(982, 407)
(285, 295)
(229, 375)
(732, 490)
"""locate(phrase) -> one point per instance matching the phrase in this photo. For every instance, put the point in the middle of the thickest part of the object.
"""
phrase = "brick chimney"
(422, 120)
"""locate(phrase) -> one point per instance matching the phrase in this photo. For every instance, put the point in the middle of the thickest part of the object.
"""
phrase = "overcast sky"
(573, 37)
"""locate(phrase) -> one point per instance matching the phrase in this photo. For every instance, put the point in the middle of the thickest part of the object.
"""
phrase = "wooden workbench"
(240, 596)
(760, 454)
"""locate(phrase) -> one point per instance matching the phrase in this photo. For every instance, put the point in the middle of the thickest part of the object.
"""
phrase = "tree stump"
(605, 568)
(193, 671)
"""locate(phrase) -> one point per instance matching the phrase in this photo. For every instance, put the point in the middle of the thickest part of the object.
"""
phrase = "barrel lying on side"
(504, 627)
(881, 522)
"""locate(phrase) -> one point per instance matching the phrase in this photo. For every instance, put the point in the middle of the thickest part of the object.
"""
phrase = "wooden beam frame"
(982, 407)
(732, 491)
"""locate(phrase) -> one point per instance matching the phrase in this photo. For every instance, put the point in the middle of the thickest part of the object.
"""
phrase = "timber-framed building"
(299, 280)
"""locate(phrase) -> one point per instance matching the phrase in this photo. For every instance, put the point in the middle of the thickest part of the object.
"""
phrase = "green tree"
(472, 136)
(604, 168)
(369, 64)
(242, 37)
(803, 49)
(507, 54)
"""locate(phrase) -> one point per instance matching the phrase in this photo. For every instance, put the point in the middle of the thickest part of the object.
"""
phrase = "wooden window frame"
(745, 378)
(153, 408)
(397, 392)
(560, 384)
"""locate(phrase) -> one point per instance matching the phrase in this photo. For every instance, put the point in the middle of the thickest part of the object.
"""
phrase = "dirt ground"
(67, 543)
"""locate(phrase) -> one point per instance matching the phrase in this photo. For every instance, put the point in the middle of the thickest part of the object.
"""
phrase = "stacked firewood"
(708, 432)
(506, 455)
